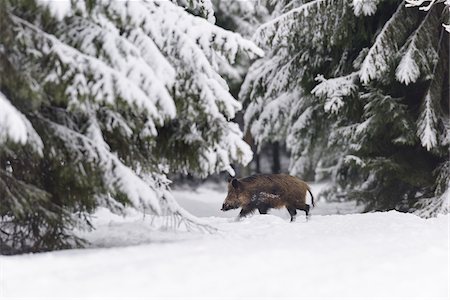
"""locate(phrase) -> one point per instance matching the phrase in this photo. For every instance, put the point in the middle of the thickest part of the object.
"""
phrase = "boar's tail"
(312, 197)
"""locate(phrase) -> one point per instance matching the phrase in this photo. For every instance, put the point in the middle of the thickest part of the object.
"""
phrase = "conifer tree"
(358, 90)
(99, 101)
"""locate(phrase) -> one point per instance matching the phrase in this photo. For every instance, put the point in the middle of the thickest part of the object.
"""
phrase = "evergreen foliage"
(359, 91)
(99, 100)
(241, 16)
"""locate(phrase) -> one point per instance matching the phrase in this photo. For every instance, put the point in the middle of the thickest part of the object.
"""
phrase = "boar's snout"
(225, 207)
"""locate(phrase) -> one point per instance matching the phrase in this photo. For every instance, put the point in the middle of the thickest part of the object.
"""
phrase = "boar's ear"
(235, 183)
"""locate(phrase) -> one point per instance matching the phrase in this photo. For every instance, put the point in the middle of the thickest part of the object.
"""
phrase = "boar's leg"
(246, 210)
(263, 208)
(292, 211)
(305, 208)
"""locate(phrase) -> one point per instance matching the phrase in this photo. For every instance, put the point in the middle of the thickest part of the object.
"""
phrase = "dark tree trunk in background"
(257, 162)
(276, 167)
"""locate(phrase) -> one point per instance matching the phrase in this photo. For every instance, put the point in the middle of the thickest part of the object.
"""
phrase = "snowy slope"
(355, 255)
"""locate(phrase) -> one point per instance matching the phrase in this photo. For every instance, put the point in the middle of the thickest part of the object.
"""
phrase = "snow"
(117, 176)
(274, 112)
(334, 90)
(59, 8)
(12, 122)
(16, 127)
(376, 62)
(387, 254)
(109, 83)
(277, 28)
(365, 7)
(421, 52)
(426, 128)
(245, 16)
(408, 71)
(427, 6)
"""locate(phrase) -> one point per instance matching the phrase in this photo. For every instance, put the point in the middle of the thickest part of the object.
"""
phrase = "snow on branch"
(421, 51)
(427, 124)
(12, 122)
(142, 63)
(298, 143)
(59, 9)
(193, 47)
(431, 207)
(203, 7)
(117, 176)
(275, 31)
(411, 3)
(107, 84)
(439, 203)
(389, 40)
(208, 37)
(427, 7)
(231, 148)
(260, 72)
(431, 134)
(334, 90)
(270, 85)
(147, 193)
(16, 127)
(275, 112)
(365, 7)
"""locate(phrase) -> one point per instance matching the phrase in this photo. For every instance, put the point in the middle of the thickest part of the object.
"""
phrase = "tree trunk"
(276, 167)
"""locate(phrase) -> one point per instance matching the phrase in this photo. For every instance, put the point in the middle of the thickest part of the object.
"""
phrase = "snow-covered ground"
(376, 255)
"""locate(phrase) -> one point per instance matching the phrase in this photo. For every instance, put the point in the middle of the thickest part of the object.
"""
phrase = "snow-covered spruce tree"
(99, 100)
(359, 91)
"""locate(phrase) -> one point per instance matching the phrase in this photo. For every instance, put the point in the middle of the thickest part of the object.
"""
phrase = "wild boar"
(267, 191)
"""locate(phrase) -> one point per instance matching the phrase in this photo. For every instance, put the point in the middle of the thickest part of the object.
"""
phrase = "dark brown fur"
(264, 192)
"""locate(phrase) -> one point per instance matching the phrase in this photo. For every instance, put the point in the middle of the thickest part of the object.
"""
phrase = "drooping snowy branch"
(107, 85)
(145, 192)
(134, 56)
(391, 37)
(276, 113)
(203, 7)
(335, 89)
(421, 51)
(300, 160)
(116, 175)
(12, 122)
(60, 8)
(16, 127)
(275, 31)
(365, 7)
(439, 203)
(209, 38)
(426, 128)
